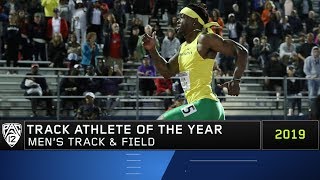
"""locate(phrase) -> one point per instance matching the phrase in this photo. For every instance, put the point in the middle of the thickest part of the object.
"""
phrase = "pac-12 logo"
(11, 133)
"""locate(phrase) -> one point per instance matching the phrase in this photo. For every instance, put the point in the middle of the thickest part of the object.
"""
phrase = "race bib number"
(188, 110)
(185, 80)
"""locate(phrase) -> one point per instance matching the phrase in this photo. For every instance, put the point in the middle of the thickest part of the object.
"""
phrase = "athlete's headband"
(189, 12)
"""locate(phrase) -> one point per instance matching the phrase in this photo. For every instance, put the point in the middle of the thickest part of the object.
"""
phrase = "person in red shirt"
(215, 17)
(56, 24)
(164, 88)
(266, 13)
(114, 49)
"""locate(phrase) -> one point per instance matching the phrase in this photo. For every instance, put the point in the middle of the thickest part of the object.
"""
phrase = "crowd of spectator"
(101, 35)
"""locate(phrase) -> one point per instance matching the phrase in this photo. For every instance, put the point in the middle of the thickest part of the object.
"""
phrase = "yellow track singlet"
(195, 73)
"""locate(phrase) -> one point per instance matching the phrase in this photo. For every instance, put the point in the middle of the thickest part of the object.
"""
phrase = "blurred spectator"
(57, 51)
(109, 19)
(26, 46)
(11, 7)
(146, 86)
(34, 7)
(132, 42)
(243, 41)
(234, 27)
(88, 111)
(164, 88)
(266, 13)
(66, 10)
(119, 14)
(288, 7)
(211, 4)
(79, 22)
(105, 7)
(128, 8)
(315, 109)
(287, 50)
(255, 52)
(92, 84)
(226, 7)
(30, 84)
(310, 22)
(298, 64)
(295, 22)
(243, 10)
(316, 31)
(274, 32)
(300, 41)
(56, 24)
(286, 26)
(170, 45)
(110, 87)
(159, 5)
(275, 68)
(3, 22)
(89, 51)
(235, 11)
(38, 37)
(258, 5)
(159, 33)
(305, 49)
(254, 28)
(142, 10)
(141, 52)
(312, 71)
(73, 50)
(12, 41)
(173, 22)
(109, 3)
(172, 9)
(49, 6)
(71, 86)
(303, 7)
(95, 20)
(101, 66)
(294, 89)
(115, 49)
(265, 51)
(215, 17)
(136, 22)
(21, 14)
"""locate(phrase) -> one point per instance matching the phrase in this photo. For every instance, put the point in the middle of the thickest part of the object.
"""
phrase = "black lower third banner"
(178, 135)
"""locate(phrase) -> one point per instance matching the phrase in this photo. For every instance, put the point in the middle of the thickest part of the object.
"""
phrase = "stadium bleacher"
(253, 100)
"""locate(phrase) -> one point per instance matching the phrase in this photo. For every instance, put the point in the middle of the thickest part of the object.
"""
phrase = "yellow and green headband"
(189, 12)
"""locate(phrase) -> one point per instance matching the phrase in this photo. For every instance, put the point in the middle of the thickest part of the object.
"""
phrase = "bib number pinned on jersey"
(184, 80)
(188, 110)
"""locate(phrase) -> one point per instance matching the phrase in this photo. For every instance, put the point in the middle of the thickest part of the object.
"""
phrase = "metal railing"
(138, 98)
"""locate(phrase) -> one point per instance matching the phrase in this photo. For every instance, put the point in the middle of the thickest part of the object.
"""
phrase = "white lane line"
(133, 167)
(133, 154)
(133, 173)
(134, 160)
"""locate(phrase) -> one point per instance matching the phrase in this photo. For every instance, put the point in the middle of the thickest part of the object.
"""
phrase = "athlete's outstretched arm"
(166, 69)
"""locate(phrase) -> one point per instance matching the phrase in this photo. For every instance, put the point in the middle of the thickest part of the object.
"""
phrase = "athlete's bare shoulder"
(209, 39)
(205, 45)
(216, 43)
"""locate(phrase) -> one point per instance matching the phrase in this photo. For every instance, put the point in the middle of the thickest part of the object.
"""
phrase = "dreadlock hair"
(201, 10)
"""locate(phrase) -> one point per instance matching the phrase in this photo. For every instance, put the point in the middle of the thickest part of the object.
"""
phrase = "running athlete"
(194, 65)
